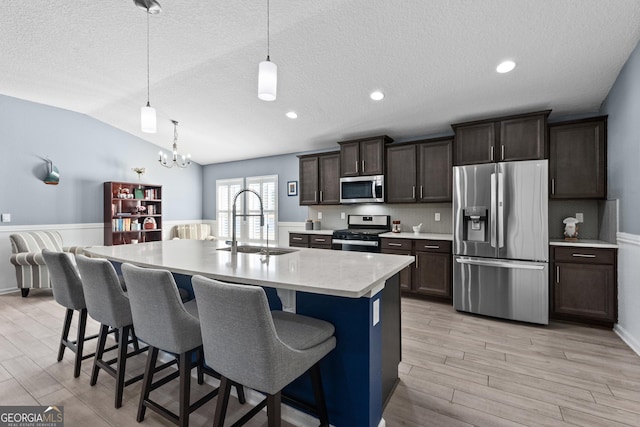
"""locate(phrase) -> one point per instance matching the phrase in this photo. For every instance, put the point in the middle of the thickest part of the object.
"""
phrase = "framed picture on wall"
(292, 188)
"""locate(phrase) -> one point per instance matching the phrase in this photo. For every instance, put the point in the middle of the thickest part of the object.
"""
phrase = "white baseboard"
(627, 338)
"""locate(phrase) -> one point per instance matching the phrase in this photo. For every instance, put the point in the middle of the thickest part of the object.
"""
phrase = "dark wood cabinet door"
(350, 158)
(433, 274)
(522, 138)
(577, 160)
(308, 180)
(435, 172)
(329, 185)
(401, 174)
(585, 290)
(372, 157)
(405, 273)
(475, 144)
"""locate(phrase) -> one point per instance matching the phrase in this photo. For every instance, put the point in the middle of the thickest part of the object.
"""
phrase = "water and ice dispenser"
(474, 219)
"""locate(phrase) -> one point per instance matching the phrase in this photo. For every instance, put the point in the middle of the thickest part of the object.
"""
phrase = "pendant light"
(267, 73)
(148, 113)
(176, 159)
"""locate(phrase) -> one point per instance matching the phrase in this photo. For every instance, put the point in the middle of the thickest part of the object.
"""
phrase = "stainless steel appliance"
(362, 234)
(362, 189)
(500, 246)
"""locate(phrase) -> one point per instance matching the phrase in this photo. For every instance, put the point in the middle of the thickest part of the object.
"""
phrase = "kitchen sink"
(260, 250)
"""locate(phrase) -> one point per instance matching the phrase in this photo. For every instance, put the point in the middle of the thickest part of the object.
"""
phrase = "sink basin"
(260, 250)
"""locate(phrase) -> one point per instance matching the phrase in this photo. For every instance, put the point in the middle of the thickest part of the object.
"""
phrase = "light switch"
(319, 215)
(437, 218)
(580, 216)
(343, 215)
(6, 217)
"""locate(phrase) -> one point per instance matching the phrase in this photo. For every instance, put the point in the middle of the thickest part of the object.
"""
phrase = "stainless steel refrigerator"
(500, 240)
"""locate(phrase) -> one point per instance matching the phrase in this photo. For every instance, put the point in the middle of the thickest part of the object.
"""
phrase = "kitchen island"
(357, 292)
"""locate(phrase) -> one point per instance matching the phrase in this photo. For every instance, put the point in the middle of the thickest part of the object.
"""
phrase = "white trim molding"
(628, 326)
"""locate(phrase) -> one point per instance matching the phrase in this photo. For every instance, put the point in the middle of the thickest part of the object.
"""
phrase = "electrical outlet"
(343, 215)
(319, 215)
(6, 217)
(580, 217)
(437, 216)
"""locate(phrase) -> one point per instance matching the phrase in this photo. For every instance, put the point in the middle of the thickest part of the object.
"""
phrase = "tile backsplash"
(408, 214)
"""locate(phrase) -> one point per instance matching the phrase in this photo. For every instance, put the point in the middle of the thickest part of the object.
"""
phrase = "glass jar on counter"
(396, 228)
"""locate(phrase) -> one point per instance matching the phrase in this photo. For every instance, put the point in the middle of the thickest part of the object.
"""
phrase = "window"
(248, 229)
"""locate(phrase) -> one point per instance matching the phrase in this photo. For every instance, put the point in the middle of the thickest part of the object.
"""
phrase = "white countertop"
(424, 236)
(320, 271)
(582, 243)
(321, 232)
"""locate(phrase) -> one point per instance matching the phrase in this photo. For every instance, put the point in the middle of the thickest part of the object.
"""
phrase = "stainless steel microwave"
(362, 189)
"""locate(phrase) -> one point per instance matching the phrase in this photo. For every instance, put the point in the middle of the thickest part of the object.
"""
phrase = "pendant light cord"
(148, 105)
(268, 36)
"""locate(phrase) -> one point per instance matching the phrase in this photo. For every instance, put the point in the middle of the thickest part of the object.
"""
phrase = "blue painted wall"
(623, 155)
(87, 152)
(285, 166)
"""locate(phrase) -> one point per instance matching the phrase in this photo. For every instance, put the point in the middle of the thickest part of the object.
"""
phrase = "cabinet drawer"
(320, 240)
(588, 255)
(432, 246)
(396, 244)
(298, 238)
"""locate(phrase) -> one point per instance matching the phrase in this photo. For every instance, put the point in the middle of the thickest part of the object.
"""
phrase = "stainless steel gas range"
(363, 234)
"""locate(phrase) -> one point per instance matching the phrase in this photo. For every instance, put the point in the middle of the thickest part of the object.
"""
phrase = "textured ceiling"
(435, 61)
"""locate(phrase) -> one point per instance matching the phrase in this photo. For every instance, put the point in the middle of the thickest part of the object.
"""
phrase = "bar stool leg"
(318, 392)
(65, 333)
(82, 326)
(199, 365)
(102, 339)
(185, 385)
(146, 382)
(273, 410)
(223, 401)
(121, 364)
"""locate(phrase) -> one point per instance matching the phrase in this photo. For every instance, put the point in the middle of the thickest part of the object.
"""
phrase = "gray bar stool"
(108, 304)
(67, 291)
(262, 350)
(165, 323)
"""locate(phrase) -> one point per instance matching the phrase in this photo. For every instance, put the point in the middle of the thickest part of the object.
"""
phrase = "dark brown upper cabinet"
(363, 156)
(578, 159)
(320, 179)
(521, 137)
(419, 171)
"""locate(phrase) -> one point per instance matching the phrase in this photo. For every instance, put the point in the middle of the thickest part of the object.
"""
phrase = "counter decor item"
(396, 227)
(308, 225)
(317, 225)
(570, 228)
(417, 228)
(149, 223)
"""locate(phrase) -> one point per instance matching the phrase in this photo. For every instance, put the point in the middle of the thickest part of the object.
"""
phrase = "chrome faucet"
(234, 242)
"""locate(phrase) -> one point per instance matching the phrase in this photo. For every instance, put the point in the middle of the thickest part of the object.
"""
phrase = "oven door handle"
(354, 242)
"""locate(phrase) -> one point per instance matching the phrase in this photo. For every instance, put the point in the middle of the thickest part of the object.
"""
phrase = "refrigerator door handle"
(501, 264)
(492, 210)
(500, 229)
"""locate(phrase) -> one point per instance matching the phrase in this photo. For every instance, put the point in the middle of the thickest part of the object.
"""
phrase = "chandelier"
(176, 160)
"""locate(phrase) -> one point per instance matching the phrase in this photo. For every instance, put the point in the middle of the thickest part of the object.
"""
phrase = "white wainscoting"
(628, 326)
(284, 228)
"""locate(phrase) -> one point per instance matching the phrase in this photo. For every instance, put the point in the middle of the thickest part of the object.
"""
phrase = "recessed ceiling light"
(377, 95)
(506, 66)
(292, 115)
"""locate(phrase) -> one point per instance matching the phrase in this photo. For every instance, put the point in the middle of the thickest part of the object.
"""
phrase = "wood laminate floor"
(457, 370)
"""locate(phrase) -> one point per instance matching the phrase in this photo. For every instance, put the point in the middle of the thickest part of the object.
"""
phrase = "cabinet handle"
(357, 166)
(321, 195)
(320, 240)
(413, 192)
(557, 274)
(417, 261)
(296, 238)
(315, 196)
(553, 186)
(394, 244)
(502, 152)
(491, 152)
(431, 247)
(363, 166)
(421, 192)
(583, 255)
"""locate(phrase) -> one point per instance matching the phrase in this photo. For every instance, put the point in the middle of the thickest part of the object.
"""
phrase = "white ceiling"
(435, 61)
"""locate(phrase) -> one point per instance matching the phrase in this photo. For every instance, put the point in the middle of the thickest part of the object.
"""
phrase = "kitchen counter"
(320, 232)
(359, 293)
(424, 236)
(582, 243)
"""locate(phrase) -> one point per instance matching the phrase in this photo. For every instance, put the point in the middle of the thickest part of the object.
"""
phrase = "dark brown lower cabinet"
(304, 240)
(430, 274)
(584, 285)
